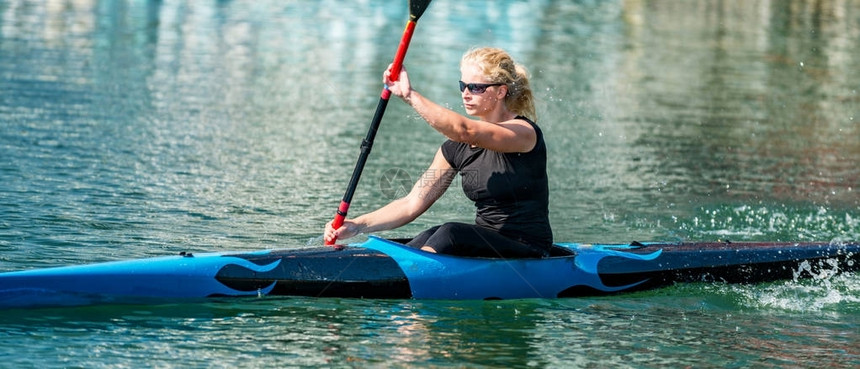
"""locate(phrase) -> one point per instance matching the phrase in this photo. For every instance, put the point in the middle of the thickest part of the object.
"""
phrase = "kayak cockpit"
(554, 251)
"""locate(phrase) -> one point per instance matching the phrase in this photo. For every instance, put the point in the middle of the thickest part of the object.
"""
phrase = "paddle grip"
(397, 64)
(338, 220)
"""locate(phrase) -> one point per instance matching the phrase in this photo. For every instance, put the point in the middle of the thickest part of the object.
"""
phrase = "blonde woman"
(500, 154)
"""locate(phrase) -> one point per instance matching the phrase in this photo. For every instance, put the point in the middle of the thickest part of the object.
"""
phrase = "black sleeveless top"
(510, 190)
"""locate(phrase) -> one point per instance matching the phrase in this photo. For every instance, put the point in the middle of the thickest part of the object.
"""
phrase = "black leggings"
(475, 241)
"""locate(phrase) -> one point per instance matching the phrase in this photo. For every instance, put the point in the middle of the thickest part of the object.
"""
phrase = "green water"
(135, 128)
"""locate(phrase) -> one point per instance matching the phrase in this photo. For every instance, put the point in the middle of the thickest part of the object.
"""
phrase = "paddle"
(416, 9)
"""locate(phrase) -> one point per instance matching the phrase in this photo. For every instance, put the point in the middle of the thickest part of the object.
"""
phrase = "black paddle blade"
(417, 8)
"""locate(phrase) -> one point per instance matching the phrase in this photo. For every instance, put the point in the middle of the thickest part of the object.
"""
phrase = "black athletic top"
(510, 190)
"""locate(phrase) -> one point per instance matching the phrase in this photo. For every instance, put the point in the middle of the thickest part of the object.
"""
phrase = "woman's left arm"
(515, 135)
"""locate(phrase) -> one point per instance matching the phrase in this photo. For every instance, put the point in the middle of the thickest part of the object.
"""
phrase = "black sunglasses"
(477, 88)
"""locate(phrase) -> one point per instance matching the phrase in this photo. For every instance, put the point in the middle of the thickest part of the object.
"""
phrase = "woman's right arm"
(426, 190)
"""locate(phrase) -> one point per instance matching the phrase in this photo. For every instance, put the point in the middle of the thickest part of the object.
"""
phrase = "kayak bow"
(379, 268)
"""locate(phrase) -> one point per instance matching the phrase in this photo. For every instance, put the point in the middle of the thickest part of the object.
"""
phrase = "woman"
(501, 157)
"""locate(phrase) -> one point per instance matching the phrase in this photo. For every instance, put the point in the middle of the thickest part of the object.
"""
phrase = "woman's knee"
(453, 227)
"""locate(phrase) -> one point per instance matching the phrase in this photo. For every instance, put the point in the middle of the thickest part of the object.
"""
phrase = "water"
(134, 129)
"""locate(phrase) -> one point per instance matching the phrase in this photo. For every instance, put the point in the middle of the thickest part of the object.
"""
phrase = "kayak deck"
(380, 268)
(726, 262)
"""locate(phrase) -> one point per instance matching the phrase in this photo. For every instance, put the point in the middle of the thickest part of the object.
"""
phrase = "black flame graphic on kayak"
(248, 277)
(413, 273)
(323, 272)
(589, 279)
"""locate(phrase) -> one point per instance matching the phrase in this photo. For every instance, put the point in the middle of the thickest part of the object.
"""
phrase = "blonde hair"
(499, 67)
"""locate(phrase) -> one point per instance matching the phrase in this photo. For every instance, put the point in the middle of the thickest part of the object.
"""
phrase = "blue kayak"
(380, 268)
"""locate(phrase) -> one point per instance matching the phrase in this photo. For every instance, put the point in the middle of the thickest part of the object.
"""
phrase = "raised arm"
(499, 131)
(514, 135)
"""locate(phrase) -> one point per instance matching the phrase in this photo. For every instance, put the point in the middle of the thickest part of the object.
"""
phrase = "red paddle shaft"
(367, 144)
(397, 64)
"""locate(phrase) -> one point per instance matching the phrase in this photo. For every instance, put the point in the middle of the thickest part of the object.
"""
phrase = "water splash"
(838, 293)
(776, 222)
(827, 291)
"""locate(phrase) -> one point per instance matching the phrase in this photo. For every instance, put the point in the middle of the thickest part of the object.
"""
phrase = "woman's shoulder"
(527, 120)
(533, 124)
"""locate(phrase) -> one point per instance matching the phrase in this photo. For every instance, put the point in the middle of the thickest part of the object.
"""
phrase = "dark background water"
(141, 128)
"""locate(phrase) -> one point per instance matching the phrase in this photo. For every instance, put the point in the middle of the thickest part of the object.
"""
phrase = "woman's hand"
(347, 230)
(401, 87)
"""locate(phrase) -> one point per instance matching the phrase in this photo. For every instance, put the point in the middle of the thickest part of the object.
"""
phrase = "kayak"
(381, 268)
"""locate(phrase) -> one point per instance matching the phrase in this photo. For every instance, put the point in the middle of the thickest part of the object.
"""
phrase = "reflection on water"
(137, 128)
(693, 103)
(701, 328)
(651, 109)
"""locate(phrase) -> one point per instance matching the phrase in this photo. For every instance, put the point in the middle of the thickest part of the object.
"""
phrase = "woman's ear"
(503, 92)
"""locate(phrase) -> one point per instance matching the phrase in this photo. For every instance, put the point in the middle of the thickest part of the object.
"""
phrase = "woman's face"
(478, 104)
